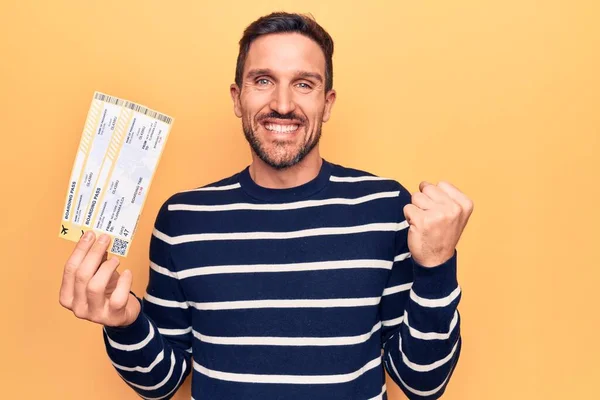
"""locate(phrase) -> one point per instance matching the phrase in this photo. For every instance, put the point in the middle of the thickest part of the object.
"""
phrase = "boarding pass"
(118, 153)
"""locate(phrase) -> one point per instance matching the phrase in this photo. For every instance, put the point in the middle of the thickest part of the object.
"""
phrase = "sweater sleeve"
(421, 323)
(153, 354)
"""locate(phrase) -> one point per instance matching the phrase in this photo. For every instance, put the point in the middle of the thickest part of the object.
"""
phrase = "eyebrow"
(253, 73)
(313, 75)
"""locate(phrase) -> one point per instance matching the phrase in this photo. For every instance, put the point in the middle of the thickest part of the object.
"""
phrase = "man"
(294, 279)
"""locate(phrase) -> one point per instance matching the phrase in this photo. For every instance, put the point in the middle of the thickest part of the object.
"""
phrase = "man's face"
(282, 101)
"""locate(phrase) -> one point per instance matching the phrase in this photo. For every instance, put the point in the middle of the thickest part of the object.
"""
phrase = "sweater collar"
(289, 194)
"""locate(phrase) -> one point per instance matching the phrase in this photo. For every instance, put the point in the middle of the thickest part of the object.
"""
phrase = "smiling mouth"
(281, 128)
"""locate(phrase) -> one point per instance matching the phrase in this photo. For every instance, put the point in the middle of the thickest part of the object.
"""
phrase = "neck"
(266, 176)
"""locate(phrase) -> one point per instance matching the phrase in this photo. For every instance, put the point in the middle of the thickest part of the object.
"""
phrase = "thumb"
(120, 296)
(124, 307)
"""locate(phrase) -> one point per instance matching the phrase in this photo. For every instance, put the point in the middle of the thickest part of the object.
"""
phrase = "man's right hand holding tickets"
(93, 289)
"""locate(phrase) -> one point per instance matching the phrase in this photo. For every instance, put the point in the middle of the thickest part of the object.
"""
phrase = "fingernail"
(104, 239)
(88, 236)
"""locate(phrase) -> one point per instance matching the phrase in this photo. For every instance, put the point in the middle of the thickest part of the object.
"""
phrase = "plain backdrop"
(500, 98)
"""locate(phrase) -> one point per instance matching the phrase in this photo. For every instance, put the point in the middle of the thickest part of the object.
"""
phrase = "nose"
(282, 100)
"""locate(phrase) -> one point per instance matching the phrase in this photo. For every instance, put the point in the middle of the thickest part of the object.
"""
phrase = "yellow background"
(500, 98)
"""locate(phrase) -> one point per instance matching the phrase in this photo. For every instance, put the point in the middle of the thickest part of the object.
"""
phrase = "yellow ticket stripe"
(66, 230)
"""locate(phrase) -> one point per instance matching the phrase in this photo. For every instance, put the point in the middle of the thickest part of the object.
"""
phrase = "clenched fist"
(93, 289)
(437, 217)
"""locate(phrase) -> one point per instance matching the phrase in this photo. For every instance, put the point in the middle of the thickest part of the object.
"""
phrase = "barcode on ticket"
(109, 99)
(119, 247)
(148, 112)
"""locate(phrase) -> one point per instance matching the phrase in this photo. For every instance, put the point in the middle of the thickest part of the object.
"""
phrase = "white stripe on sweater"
(283, 206)
(426, 367)
(393, 322)
(183, 369)
(174, 332)
(161, 383)
(254, 304)
(214, 188)
(288, 341)
(365, 178)
(431, 335)
(163, 270)
(285, 303)
(397, 289)
(199, 237)
(287, 379)
(435, 303)
(402, 257)
(144, 370)
(256, 268)
(415, 391)
(134, 346)
(166, 303)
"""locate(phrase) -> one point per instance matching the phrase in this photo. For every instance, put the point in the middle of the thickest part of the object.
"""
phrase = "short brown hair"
(282, 22)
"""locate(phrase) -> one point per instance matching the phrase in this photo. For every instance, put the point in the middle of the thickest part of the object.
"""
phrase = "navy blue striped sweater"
(305, 293)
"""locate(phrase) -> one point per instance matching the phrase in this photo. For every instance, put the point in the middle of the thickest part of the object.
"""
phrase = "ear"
(235, 92)
(329, 101)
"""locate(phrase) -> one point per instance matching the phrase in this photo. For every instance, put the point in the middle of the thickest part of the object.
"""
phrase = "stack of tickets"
(120, 148)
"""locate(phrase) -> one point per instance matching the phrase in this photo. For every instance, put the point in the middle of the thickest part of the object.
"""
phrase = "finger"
(112, 281)
(455, 194)
(413, 214)
(422, 201)
(96, 287)
(68, 280)
(88, 267)
(435, 193)
(118, 299)
(423, 184)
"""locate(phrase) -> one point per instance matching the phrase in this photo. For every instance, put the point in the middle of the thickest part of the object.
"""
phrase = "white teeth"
(281, 128)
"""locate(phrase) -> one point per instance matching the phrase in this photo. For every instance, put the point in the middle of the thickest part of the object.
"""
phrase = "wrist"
(435, 281)
(133, 312)
(435, 261)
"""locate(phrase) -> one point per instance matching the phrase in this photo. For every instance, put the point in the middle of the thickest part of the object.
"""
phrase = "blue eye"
(304, 85)
(262, 81)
